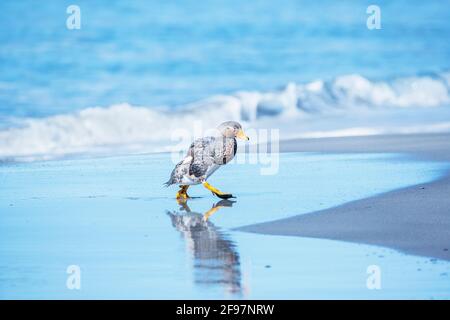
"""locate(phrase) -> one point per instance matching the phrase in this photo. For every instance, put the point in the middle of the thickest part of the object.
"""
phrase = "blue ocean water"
(69, 91)
(170, 53)
(136, 71)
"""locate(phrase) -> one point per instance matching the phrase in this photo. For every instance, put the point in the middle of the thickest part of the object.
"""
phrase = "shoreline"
(427, 146)
(414, 220)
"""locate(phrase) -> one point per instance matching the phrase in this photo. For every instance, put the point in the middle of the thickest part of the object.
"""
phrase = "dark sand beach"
(414, 220)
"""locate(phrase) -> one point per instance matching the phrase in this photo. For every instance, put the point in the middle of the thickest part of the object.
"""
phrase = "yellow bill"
(241, 135)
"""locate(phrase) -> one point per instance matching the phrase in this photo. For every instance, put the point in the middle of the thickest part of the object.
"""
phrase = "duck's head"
(232, 129)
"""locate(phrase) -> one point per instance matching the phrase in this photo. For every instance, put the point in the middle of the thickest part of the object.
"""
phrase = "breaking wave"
(146, 129)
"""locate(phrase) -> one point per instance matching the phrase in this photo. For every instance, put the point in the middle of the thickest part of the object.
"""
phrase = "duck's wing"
(202, 152)
(199, 158)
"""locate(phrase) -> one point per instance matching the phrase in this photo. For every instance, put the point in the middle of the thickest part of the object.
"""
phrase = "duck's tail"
(168, 183)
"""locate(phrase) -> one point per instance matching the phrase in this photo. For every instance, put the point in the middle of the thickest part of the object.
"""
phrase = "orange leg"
(182, 193)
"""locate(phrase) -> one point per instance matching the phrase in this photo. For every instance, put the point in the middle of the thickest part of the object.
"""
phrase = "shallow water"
(131, 239)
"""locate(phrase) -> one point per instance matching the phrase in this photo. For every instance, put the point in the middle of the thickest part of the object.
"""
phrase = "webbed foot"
(217, 192)
(182, 193)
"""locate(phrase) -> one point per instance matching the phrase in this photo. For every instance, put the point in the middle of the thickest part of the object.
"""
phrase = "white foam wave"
(131, 128)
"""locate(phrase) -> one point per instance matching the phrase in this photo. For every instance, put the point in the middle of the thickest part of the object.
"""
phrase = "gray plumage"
(205, 156)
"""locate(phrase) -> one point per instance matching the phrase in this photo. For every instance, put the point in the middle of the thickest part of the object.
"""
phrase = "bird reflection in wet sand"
(216, 261)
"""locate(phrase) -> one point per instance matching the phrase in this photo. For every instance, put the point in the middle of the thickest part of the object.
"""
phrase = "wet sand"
(414, 220)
